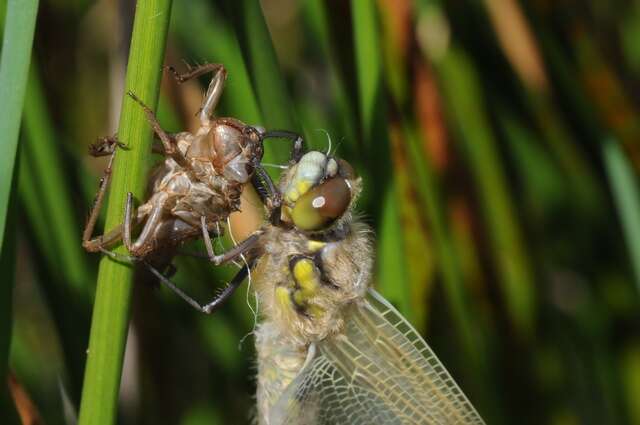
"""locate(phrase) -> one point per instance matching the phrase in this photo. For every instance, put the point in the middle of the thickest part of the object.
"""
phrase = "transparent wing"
(379, 371)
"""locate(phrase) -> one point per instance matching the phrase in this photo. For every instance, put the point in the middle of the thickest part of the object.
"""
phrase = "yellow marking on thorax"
(314, 310)
(305, 285)
(283, 298)
(307, 278)
(315, 246)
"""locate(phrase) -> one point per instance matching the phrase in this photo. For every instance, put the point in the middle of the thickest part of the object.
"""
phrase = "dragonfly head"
(318, 191)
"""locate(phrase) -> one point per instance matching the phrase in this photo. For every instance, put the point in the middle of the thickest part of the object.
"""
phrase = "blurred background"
(499, 143)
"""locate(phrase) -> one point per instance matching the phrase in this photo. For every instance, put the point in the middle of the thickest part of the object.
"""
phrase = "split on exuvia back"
(330, 349)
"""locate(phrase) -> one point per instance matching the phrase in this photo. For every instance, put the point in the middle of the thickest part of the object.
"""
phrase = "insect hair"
(254, 311)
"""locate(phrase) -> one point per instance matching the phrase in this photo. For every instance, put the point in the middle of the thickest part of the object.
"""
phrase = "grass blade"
(14, 68)
(269, 85)
(8, 268)
(318, 22)
(40, 149)
(113, 297)
(624, 185)
(369, 66)
(17, 41)
(512, 262)
(196, 25)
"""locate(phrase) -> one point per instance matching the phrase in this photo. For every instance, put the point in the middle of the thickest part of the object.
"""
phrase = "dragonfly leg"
(214, 91)
(104, 146)
(168, 142)
(269, 194)
(116, 256)
(212, 305)
(232, 253)
(141, 245)
(267, 190)
(298, 141)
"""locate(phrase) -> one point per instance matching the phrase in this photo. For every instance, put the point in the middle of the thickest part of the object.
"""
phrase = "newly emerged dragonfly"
(195, 188)
(330, 349)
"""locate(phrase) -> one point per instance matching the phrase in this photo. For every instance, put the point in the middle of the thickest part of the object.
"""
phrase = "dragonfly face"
(317, 192)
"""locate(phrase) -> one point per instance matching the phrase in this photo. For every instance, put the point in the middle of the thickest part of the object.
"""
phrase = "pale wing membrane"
(379, 371)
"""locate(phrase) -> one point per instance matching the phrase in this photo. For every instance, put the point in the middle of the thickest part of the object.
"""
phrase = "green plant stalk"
(375, 150)
(448, 260)
(391, 266)
(61, 230)
(269, 85)
(472, 341)
(371, 97)
(622, 180)
(512, 262)
(624, 185)
(19, 26)
(318, 22)
(197, 23)
(68, 306)
(8, 268)
(572, 161)
(368, 64)
(113, 297)
(14, 68)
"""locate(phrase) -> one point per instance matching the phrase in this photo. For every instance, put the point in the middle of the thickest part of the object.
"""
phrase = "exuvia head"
(233, 148)
(317, 191)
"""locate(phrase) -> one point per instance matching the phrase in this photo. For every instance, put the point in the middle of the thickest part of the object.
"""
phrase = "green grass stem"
(375, 140)
(8, 268)
(14, 68)
(318, 22)
(368, 66)
(270, 88)
(112, 305)
(624, 185)
(196, 24)
(17, 41)
(45, 198)
(620, 173)
(448, 260)
(512, 261)
(61, 229)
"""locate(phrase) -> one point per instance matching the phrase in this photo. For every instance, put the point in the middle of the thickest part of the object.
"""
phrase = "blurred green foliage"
(498, 143)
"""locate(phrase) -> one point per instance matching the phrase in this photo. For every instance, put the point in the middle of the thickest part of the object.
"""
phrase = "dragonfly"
(330, 349)
(193, 190)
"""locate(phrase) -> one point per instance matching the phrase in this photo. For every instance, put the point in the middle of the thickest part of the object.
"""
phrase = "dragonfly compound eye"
(322, 205)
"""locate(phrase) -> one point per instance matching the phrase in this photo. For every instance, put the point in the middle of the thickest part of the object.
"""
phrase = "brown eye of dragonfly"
(322, 205)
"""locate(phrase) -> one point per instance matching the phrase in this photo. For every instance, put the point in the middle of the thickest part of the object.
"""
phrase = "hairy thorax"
(304, 283)
(304, 286)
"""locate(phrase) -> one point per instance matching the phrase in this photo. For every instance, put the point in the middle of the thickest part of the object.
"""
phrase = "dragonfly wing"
(323, 394)
(379, 370)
